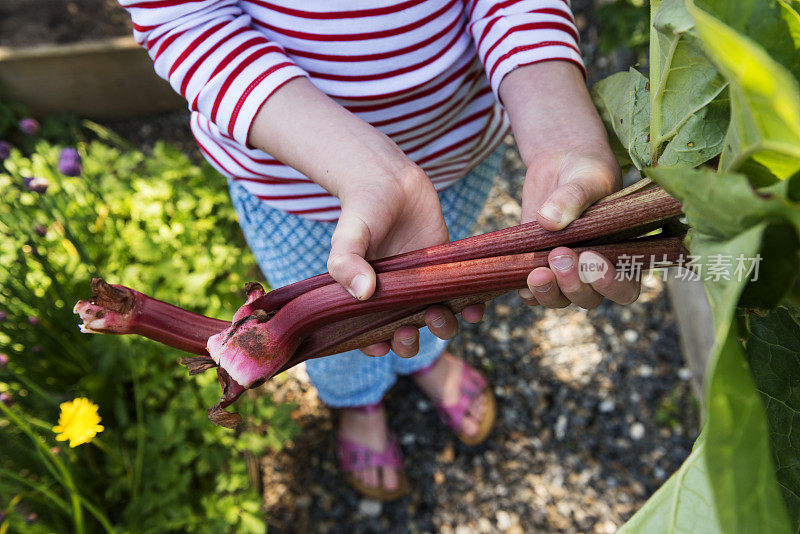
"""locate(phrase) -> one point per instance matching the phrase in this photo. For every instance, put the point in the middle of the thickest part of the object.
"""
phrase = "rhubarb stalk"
(255, 348)
(636, 210)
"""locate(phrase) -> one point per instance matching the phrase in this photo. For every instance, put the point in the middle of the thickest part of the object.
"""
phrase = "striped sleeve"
(211, 55)
(512, 33)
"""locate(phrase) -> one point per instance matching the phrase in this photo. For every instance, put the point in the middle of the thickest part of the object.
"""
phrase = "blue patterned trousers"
(289, 248)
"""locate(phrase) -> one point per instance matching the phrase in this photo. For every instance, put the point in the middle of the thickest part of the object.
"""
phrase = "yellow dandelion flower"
(78, 422)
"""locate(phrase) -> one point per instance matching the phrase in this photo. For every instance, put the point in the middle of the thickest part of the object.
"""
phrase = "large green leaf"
(724, 205)
(730, 219)
(684, 504)
(765, 97)
(773, 24)
(738, 455)
(624, 104)
(680, 123)
(685, 127)
(773, 351)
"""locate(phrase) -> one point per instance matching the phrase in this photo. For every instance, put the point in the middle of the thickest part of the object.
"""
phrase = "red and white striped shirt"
(424, 72)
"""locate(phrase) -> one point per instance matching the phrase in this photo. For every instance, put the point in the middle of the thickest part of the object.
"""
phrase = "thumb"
(346, 263)
(581, 188)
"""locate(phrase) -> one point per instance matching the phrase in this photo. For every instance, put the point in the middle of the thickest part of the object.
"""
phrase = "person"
(353, 131)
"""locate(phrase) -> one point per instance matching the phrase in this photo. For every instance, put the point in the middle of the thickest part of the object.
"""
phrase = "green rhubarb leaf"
(701, 137)
(683, 84)
(683, 504)
(765, 96)
(724, 207)
(773, 24)
(738, 453)
(730, 219)
(773, 351)
(624, 104)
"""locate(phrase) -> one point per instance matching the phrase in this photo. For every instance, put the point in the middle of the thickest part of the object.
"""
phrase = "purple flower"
(40, 230)
(36, 349)
(29, 125)
(5, 150)
(36, 184)
(34, 320)
(3, 359)
(6, 398)
(69, 162)
(3, 516)
(3, 315)
(31, 518)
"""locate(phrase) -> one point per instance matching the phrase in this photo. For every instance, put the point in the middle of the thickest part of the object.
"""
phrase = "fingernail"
(562, 263)
(543, 288)
(438, 321)
(358, 287)
(525, 294)
(551, 213)
(408, 341)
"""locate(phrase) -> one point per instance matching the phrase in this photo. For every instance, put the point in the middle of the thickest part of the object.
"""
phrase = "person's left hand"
(557, 190)
(571, 166)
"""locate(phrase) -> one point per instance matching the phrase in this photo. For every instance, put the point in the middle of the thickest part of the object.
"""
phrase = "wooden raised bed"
(105, 79)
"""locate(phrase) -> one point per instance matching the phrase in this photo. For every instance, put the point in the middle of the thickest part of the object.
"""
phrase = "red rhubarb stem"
(116, 309)
(625, 211)
(423, 286)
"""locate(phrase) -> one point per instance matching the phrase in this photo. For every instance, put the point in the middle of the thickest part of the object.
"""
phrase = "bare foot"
(370, 430)
(441, 384)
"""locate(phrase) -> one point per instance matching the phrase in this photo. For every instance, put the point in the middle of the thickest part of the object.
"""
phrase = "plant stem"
(655, 82)
(116, 309)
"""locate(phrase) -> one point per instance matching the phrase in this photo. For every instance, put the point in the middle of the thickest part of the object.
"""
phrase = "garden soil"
(35, 22)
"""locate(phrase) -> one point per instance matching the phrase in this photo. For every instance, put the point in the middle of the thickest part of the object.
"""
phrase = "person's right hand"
(383, 216)
(389, 205)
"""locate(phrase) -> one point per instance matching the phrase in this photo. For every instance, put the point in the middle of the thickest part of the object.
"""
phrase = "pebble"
(684, 373)
(637, 431)
(505, 520)
(500, 333)
(370, 508)
(464, 529)
(645, 371)
(606, 406)
(484, 525)
(423, 405)
(511, 209)
(561, 427)
(631, 336)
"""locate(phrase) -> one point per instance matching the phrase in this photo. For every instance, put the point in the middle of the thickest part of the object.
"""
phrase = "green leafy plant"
(717, 124)
(623, 23)
(158, 221)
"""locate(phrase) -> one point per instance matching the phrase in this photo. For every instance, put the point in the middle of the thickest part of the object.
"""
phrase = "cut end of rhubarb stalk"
(108, 311)
(247, 352)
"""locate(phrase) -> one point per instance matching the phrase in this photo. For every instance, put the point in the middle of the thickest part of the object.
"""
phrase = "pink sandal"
(354, 457)
(471, 387)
